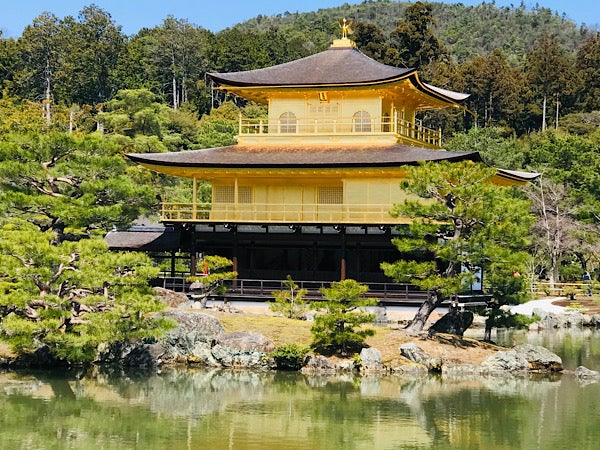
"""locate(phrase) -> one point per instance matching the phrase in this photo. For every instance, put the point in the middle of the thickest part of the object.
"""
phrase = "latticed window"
(223, 194)
(287, 122)
(244, 194)
(331, 195)
(226, 194)
(362, 122)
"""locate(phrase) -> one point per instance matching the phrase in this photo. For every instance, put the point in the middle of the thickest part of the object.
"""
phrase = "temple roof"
(298, 156)
(322, 68)
(338, 66)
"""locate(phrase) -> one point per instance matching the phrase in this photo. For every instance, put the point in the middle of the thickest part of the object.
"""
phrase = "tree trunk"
(544, 114)
(416, 325)
(48, 99)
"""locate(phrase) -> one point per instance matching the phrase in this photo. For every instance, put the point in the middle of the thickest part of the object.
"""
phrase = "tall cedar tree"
(414, 38)
(460, 222)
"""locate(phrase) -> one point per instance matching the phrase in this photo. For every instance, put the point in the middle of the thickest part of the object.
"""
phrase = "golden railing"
(342, 126)
(278, 213)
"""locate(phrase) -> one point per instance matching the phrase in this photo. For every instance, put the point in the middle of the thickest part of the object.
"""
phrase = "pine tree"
(460, 222)
(337, 329)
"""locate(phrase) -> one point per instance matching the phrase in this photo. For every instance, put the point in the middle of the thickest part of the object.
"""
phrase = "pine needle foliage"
(72, 296)
(290, 302)
(340, 328)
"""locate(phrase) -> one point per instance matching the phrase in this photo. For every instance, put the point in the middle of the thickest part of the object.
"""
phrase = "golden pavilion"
(307, 191)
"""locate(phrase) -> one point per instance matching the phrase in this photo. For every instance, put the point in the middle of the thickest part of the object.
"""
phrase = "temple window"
(224, 194)
(287, 122)
(330, 195)
(244, 194)
(361, 122)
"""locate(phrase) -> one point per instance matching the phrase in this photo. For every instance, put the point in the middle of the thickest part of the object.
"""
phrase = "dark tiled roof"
(164, 240)
(297, 156)
(335, 66)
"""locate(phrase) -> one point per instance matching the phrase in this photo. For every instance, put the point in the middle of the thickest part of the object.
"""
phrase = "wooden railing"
(563, 289)
(342, 126)
(278, 213)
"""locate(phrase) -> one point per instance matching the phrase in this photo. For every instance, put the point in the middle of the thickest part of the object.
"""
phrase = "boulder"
(194, 333)
(243, 349)
(416, 354)
(539, 358)
(189, 342)
(523, 358)
(455, 322)
(171, 298)
(570, 320)
(583, 373)
(318, 364)
(505, 361)
(370, 360)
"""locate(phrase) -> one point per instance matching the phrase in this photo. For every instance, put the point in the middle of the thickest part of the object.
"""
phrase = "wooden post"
(195, 199)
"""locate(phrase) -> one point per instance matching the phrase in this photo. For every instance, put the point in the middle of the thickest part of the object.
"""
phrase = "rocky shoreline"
(200, 340)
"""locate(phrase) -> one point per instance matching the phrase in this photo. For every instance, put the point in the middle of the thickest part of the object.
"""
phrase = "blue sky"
(216, 15)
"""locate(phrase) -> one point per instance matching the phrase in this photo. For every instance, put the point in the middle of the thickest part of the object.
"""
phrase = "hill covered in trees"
(467, 31)
(510, 59)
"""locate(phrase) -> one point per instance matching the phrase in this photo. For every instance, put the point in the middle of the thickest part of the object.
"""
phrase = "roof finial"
(344, 42)
(345, 26)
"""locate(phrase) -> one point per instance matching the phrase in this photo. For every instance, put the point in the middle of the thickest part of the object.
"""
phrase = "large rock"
(539, 358)
(583, 373)
(171, 298)
(243, 349)
(523, 358)
(189, 342)
(570, 320)
(192, 338)
(416, 354)
(370, 360)
(318, 364)
(507, 361)
(455, 322)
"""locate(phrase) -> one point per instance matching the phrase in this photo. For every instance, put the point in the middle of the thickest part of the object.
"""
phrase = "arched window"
(361, 122)
(287, 122)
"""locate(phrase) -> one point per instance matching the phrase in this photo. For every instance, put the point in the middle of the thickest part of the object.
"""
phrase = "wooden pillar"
(193, 252)
(195, 199)
(173, 263)
(343, 260)
(234, 258)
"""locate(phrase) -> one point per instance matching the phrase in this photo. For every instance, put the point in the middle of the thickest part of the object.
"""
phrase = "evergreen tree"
(70, 297)
(588, 66)
(336, 329)
(414, 38)
(460, 223)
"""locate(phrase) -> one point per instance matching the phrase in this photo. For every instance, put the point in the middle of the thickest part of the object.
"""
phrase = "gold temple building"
(307, 191)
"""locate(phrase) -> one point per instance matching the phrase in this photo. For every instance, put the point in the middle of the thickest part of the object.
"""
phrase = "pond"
(219, 409)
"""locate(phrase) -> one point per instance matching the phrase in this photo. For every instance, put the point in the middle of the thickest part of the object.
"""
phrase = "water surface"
(217, 409)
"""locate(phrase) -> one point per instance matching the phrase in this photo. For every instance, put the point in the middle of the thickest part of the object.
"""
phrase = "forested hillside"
(468, 31)
(510, 59)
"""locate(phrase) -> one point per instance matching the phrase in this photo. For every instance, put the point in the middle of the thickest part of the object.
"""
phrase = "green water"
(211, 409)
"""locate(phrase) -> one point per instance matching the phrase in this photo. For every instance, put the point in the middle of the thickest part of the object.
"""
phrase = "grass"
(387, 340)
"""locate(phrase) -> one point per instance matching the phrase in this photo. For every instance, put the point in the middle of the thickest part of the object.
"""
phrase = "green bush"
(290, 356)
(339, 328)
(291, 302)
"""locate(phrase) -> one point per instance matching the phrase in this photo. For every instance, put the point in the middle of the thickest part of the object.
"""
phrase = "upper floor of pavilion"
(339, 96)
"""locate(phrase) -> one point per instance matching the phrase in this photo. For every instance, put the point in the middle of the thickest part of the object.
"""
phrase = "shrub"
(290, 302)
(290, 356)
(336, 330)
